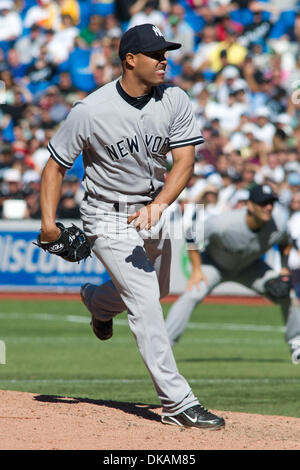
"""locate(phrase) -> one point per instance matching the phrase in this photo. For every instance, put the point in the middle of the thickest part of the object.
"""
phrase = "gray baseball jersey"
(233, 252)
(233, 245)
(124, 148)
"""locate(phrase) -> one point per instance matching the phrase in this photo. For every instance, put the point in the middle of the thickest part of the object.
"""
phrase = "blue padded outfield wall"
(24, 267)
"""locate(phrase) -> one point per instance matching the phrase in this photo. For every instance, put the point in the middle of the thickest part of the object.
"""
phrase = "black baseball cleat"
(295, 349)
(102, 329)
(197, 417)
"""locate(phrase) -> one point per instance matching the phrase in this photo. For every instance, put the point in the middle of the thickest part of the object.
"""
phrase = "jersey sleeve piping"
(183, 143)
(57, 158)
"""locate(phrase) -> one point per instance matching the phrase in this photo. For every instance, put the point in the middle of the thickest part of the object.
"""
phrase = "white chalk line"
(121, 322)
(142, 381)
(128, 340)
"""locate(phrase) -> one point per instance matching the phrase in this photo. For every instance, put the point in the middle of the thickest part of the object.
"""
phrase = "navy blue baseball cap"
(262, 194)
(144, 38)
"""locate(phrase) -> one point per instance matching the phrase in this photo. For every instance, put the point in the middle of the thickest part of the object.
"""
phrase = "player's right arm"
(50, 191)
(64, 147)
(197, 274)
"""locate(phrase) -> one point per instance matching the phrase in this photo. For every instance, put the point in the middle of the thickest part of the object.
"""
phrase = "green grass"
(234, 357)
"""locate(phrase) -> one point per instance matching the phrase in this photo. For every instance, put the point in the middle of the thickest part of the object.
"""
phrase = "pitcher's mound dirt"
(41, 422)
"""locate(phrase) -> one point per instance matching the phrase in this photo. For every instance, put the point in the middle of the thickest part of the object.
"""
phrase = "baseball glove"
(279, 287)
(72, 244)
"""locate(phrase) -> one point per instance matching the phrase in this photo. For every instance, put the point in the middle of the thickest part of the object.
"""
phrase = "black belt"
(118, 206)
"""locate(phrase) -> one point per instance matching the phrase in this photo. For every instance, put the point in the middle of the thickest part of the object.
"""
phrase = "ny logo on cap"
(157, 31)
(266, 189)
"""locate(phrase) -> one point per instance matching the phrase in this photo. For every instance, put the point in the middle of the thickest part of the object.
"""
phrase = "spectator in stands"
(103, 54)
(293, 180)
(6, 158)
(54, 103)
(264, 130)
(15, 65)
(7, 78)
(124, 9)
(94, 30)
(208, 42)
(28, 46)
(3, 64)
(212, 147)
(256, 32)
(69, 8)
(188, 76)
(176, 29)
(248, 174)
(113, 30)
(225, 81)
(149, 14)
(12, 184)
(206, 8)
(10, 22)
(66, 89)
(72, 184)
(68, 208)
(41, 154)
(230, 48)
(46, 14)
(291, 162)
(41, 73)
(31, 191)
(16, 109)
(272, 169)
(225, 23)
(33, 208)
(229, 114)
(62, 42)
(208, 197)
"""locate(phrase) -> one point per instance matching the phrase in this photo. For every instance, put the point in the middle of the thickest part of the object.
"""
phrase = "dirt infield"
(40, 422)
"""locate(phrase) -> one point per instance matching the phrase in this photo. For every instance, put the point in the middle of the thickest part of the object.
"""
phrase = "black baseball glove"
(279, 287)
(72, 244)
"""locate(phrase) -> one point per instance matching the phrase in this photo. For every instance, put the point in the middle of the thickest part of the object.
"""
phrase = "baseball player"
(235, 244)
(125, 129)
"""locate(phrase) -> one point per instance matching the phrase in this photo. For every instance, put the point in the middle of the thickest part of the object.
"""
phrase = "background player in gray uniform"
(125, 129)
(236, 242)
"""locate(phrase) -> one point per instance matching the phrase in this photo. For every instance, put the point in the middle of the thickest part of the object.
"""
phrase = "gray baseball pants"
(253, 277)
(139, 269)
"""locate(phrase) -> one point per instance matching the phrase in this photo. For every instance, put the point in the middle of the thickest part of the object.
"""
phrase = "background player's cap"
(262, 194)
(144, 38)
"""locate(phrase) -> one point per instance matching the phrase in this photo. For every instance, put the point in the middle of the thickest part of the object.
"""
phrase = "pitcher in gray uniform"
(124, 130)
(235, 243)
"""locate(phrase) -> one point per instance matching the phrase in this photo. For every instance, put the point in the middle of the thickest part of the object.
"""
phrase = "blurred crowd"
(239, 64)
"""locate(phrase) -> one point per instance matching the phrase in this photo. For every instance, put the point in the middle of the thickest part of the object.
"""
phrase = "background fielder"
(125, 129)
(235, 243)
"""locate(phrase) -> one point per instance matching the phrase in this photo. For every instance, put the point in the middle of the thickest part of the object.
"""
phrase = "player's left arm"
(180, 174)
(280, 286)
(284, 255)
(178, 177)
